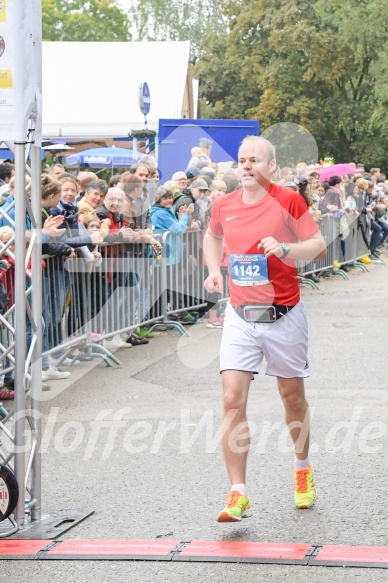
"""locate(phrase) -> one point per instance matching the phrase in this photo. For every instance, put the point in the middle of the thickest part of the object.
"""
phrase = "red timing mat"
(338, 553)
(244, 549)
(114, 547)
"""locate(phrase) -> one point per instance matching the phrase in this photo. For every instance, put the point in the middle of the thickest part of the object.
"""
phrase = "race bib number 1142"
(248, 269)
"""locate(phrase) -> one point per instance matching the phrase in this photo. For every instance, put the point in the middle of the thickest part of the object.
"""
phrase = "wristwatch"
(286, 250)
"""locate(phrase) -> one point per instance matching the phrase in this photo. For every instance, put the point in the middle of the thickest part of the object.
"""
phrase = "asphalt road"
(155, 468)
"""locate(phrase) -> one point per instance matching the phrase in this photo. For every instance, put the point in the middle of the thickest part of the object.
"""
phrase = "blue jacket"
(76, 235)
(11, 213)
(165, 220)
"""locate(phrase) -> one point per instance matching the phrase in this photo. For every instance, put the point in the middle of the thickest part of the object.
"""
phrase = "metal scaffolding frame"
(24, 456)
(20, 428)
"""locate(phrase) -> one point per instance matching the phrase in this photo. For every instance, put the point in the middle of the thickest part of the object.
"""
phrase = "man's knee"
(292, 393)
(236, 387)
(294, 402)
(234, 400)
(235, 396)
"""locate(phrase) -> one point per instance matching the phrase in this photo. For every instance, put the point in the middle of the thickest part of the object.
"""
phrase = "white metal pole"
(20, 328)
(36, 368)
(147, 142)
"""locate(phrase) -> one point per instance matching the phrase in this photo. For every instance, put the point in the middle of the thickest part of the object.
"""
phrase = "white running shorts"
(283, 344)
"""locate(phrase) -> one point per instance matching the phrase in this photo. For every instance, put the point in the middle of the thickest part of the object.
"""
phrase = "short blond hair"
(6, 231)
(362, 183)
(270, 148)
(218, 185)
(27, 181)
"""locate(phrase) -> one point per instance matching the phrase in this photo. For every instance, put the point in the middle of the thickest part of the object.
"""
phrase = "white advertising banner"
(20, 68)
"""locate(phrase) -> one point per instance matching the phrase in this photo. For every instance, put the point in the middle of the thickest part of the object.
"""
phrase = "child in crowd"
(217, 188)
(164, 219)
(197, 156)
(90, 253)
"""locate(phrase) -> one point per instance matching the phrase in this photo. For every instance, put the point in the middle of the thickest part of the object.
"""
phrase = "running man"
(266, 227)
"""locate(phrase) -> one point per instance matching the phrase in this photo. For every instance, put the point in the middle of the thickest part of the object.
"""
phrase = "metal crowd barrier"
(92, 301)
(184, 279)
(85, 303)
(130, 287)
(341, 250)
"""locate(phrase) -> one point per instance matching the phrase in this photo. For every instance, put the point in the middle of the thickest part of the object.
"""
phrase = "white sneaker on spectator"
(53, 374)
(121, 340)
(115, 343)
(214, 324)
(56, 361)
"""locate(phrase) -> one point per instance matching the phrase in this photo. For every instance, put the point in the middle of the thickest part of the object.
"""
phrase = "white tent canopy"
(92, 89)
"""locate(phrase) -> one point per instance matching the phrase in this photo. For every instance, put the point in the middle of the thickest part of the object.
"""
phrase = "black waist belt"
(261, 313)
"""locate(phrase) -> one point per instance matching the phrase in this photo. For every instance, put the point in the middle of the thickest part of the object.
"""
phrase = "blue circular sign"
(144, 98)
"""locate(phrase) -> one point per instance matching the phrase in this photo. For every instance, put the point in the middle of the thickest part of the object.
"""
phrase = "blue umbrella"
(104, 158)
(6, 154)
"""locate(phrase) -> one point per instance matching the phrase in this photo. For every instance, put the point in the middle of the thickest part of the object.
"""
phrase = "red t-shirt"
(281, 214)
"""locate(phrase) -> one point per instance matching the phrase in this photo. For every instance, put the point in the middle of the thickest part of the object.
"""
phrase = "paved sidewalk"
(158, 471)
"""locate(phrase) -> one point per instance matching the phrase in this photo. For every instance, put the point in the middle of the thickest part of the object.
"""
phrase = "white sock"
(302, 464)
(240, 488)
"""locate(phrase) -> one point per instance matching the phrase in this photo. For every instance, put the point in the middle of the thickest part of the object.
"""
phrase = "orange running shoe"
(237, 507)
(305, 491)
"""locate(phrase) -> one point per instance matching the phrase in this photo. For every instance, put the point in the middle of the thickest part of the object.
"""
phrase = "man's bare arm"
(310, 249)
(213, 248)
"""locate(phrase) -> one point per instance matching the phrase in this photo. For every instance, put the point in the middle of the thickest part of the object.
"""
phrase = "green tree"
(77, 20)
(175, 20)
(228, 89)
(306, 62)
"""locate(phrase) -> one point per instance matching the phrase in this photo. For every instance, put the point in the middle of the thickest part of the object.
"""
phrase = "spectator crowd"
(115, 231)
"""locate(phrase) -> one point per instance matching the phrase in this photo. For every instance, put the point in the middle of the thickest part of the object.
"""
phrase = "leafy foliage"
(175, 20)
(304, 62)
(79, 20)
(322, 64)
(142, 133)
